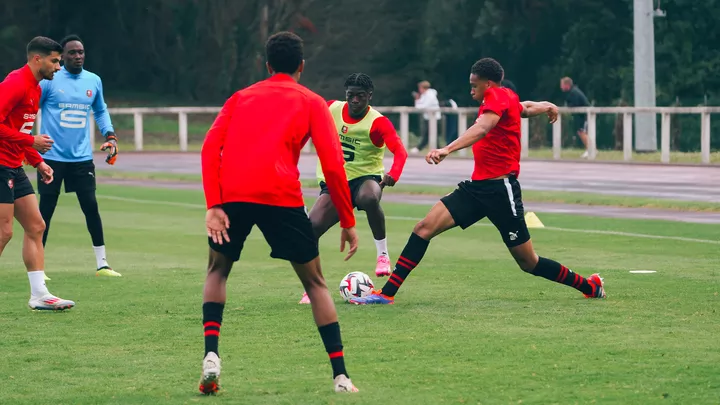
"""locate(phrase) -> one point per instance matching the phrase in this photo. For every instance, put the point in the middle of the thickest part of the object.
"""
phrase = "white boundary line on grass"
(400, 218)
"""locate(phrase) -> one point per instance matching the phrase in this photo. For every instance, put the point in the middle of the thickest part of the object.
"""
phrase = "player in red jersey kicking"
(250, 177)
(19, 103)
(493, 191)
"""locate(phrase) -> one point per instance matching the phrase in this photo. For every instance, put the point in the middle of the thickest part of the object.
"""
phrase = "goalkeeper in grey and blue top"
(66, 104)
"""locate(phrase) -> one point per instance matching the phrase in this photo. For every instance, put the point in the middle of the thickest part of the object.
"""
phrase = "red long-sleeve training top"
(19, 103)
(251, 152)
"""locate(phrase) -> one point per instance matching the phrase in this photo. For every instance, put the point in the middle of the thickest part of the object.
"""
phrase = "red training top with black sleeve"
(19, 103)
(498, 153)
(251, 152)
(382, 133)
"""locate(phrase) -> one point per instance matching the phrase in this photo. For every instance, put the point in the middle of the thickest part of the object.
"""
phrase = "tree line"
(200, 51)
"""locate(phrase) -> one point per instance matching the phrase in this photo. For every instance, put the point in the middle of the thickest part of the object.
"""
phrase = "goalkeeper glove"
(111, 147)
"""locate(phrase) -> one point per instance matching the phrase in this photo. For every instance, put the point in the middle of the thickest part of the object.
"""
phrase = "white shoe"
(210, 380)
(49, 302)
(584, 155)
(343, 384)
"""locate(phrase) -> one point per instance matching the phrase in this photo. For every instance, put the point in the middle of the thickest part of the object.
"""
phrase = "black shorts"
(354, 185)
(78, 176)
(14, 184)
(287, 230)
(580, 122)
(498, 200)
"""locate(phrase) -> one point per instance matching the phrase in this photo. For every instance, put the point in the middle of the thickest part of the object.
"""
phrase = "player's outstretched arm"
(211, 151)
(476, 132)
(535, 108)
(383, 132)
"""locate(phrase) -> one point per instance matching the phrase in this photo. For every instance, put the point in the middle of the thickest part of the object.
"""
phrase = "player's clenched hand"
(436, 156)
(552, 113)
(349, 235)
(42, 143)
(110, 146)
(387, 181)
(217, 224)
(46, 172)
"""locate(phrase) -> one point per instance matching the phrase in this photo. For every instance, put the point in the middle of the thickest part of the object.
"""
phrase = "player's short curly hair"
(488, 69)
(360, 80)
(70, 38)
(43, 46)
(284, 52)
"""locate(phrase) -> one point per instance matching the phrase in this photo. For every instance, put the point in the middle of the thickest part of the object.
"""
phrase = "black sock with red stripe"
(554, 271)
(212, 319)
(330, 335)
(407, 261)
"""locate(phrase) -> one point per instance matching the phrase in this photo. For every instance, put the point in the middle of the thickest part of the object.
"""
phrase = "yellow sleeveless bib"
(362, 157)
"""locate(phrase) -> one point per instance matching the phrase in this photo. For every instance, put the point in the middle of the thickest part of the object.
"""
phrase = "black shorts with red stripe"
(14, 184)
(498, 200)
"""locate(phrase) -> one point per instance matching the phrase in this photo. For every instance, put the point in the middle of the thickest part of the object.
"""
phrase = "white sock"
(100, 256)
(37, 283)
(381, 246)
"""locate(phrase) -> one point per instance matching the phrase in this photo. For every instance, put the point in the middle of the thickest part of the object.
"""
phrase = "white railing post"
(524, 137)
(627, 136)
(405, 129)
(461, 128)
(183, 131)
(91, 122)
(138, 126)
(592, 135)
(705, 137)
(557, 138)
(432, 132)
(38, 123)
(665, 138)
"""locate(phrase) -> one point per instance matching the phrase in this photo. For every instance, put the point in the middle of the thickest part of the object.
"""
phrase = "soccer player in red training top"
(364, 133)
(250, 177)
(493, 192)
(19, 103)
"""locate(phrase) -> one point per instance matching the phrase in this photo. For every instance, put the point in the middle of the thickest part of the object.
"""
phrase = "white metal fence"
(462, 114)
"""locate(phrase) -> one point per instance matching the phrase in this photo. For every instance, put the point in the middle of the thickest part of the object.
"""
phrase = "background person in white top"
(425, 97)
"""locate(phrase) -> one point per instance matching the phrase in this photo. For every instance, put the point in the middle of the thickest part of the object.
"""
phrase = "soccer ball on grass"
(355, 285)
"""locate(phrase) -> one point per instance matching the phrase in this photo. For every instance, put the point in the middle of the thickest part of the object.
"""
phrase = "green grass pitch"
(468, 326)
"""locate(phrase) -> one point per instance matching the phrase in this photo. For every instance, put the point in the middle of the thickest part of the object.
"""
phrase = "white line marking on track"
(401, 218)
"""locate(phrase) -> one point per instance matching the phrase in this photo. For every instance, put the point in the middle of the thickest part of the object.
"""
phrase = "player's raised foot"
(598, 287)
(305, 299)
(383, 266)
(49, 302)
(106, 271)
(343, 384)
(210, 380)
(376, 297)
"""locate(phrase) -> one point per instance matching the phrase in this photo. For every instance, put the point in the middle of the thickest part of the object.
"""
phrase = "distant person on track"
(576, 98)
(425, 97)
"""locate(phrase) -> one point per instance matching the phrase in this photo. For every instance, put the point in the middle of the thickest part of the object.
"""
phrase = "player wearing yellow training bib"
(364, 134)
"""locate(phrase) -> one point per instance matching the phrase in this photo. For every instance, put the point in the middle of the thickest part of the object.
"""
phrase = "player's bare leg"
(584, 139)
(323, 308)
(530, 262)
(214, 296)
(437, 221)
(323, 216)
(6, 225)
(33, 252)
(368, 200)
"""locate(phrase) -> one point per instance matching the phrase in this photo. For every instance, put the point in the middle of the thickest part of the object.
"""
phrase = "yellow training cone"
(533, 221)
